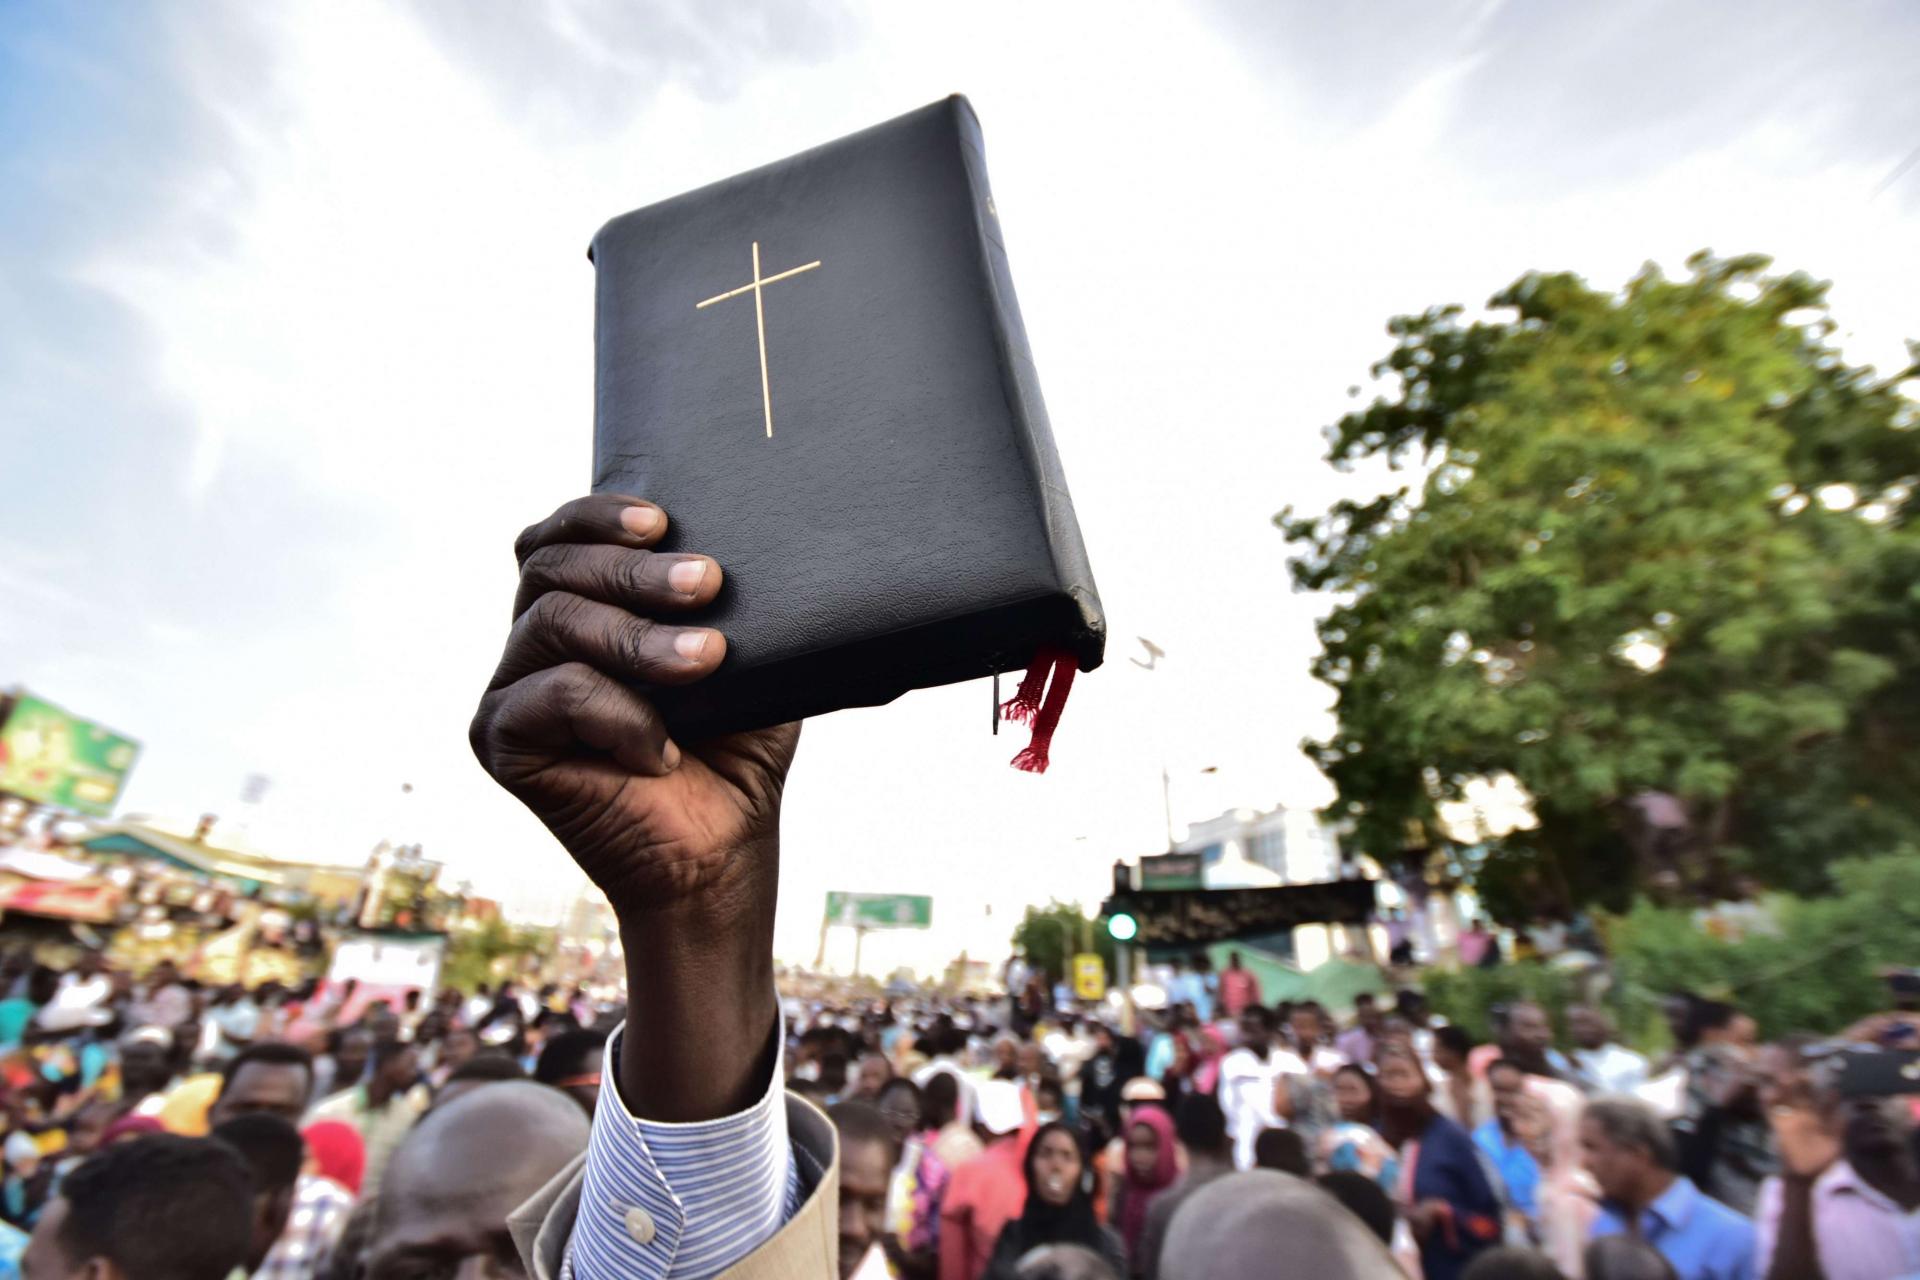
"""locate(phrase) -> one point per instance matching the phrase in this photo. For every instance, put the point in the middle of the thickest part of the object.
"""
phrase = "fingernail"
(691, 644)
(670, 755)
(687, 576)
(639, 521)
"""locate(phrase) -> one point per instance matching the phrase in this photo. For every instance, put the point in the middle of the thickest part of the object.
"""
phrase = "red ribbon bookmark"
(1041, 698)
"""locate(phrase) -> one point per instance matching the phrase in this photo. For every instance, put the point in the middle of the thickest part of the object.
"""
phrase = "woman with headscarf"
(1354, 1144)
(1152, 1164)
(1445, 1196)
(1059, 1208)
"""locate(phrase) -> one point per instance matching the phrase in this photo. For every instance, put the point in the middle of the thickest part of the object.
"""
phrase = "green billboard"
(880, 910)
(52, 757)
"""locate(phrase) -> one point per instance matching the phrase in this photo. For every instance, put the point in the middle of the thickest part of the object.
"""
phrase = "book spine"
(1021, 381)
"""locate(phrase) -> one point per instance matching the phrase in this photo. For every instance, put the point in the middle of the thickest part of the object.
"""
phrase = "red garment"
(1238, 989)
(983, 1196)
(339, 1151)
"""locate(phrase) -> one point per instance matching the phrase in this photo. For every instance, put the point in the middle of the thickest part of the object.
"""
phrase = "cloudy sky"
(295, 333)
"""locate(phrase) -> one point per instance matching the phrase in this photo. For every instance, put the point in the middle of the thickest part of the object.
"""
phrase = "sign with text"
(1192, 917)
(880, 910)
(1173, 871)
(50, 756)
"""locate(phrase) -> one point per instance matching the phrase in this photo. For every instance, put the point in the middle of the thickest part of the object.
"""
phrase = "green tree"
(1661, 545)
(1051, 935)
(472, 955)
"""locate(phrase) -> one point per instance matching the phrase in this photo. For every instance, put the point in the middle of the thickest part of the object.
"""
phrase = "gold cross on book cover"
(754, 287)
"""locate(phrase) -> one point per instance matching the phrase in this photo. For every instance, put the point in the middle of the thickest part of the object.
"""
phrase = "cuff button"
(640, 1225)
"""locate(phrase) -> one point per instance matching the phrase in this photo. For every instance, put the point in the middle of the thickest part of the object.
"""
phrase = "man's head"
(146, 1061)
(1063, 1262)
(351, 1050)
(1031, 1060)
(1628, 1149)
(868, 1152)
(161, 1208)
(571, 1062)
(900, 1104)
(1509, 1085)
(457, 1045)
(269, 1078)
(394, 1066)
(1304, 1023)
(1589, 1027)
(1528, 1035)
(274, 1152)
(1451, 1045)
(1623, 1257)
(940, 1099)
(871, 1076)
(482, 1069)
(1243, 1225)
(463, 1169)
(1201, 1126)
(1366, 1012)
(1283, 1151)
(1256, 1028)
(1233, 961)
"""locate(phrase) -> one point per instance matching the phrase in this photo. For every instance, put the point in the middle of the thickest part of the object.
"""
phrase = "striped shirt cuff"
(681, 1201)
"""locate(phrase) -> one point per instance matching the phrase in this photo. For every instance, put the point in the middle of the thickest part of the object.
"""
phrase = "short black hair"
(487, 1066)
(385, 1050)
(941, 1095)
(1455, 1037)
(1200, 1124)
(1261, 1014)
(272, 1148)
(1282, 1149)
(862, 1122)
(566, 1055)
(1510, 1263)
(1366, 1199)
(1624, 1257)
(1629, 1122)
(161, 1207)
(273, 1053)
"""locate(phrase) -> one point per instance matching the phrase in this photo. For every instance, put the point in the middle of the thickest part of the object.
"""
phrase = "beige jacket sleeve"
(806, 1248)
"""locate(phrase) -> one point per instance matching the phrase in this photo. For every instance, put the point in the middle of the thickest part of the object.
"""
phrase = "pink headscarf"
(1141, 1191)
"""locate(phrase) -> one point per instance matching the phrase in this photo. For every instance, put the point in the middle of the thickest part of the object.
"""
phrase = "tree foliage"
(475, 956)
(1051, 935)
(1661, 543)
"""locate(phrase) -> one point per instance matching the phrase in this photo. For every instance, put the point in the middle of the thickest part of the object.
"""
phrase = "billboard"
(1192, 917)
(52, 757)
(1173, 871)
(880, 910)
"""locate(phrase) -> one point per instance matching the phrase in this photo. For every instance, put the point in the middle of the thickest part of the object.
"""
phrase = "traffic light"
(1122, 927)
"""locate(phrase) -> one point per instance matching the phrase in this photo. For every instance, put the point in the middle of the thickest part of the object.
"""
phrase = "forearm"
(1795, 1252)
(701, 1009)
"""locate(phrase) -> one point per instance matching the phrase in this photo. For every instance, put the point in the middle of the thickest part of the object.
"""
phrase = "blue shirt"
(680, 1201)
(1517, 1168)
(1702, 1238)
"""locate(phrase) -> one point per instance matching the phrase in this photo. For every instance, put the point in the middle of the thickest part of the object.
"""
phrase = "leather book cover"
(818, 369)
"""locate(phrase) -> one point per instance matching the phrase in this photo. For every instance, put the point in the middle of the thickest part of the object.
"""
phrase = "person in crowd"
(987, 1192)
(229, 1025)
(1726, 1148)
(1600, 1065)
(1353, 1144)
(1526, 1041)
(948, 1111)
(1100, 1080)
(457, 1046)
(349, 1050)
(1512, 1262)
(919, 1184)
(481, 1069)
(160, 1208)
(461, 1174)
(274, 1152)
(1256, 1225)
(1283, 1151)
(18, 1011)
(1202, 1133)
(1363, 1197)
(1452, 1048)
(1626, 1258)
(1846, 1202)
(1065, 1262)
(1248, 1077)
(1509, 1137)
(1450, 1206)
(1152, 1163)
(146, 1069)
(871, 1074)
(869, 1152)
(1567, 1199)
(1239, 988)
(383, 1109)
(165, 1000)
(570, 1062)
(336, 1153)
(1633, 1159)
(1355, 1044)
(29, 1180)
(269, 1078)
(1058, 1206)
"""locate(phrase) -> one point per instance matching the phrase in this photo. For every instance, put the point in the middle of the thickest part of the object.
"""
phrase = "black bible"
(818, 369)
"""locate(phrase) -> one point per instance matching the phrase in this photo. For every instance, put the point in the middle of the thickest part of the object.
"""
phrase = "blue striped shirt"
(680, 1201)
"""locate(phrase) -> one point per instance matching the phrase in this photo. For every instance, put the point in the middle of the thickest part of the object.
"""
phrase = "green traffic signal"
(1122, 927)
